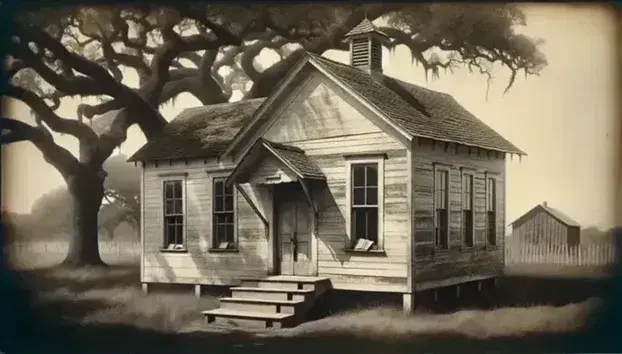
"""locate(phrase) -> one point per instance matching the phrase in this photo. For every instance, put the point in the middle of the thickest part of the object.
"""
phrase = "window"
(441, 215)
(467, 209)
(491, 211)
(223, 208)
(173, 215)
(365, 207)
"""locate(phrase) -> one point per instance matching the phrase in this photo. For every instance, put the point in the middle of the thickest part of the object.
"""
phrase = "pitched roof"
(295, 159)
(199, 132)
(563, 218)
(292, 157)
(419, 111)
(207, 131)
(555, 213)
(365, 27)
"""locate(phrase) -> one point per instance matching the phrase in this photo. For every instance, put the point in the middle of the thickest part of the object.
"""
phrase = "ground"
(104, 311)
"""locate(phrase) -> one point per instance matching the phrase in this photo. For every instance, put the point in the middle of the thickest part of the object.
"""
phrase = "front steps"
(273, 302)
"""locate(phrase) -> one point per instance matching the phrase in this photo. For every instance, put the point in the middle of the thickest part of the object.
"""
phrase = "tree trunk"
(87, 191)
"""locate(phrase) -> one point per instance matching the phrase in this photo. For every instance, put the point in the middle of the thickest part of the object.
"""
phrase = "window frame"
(379, 161)
(491, 207)
(467, 173)
(447, 170)
(181, 178)
(214, 243)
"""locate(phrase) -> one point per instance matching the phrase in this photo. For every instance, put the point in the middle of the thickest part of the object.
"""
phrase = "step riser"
(245, 294)
(247, 323)
(269, 308)
(263, 284)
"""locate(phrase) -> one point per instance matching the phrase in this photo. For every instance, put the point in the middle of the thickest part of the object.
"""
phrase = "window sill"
(378, 252)
(223, 250)
(180, 250)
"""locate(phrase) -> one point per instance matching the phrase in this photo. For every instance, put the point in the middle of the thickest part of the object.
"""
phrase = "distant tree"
(596, 235)
(121, 196)
(81, 51)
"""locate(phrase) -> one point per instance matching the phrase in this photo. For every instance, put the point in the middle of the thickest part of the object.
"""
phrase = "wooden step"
(261, 305)
(270, 293)
(224, 316)
(286, 282)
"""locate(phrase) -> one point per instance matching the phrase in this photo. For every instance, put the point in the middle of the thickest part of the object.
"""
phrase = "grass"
(106, 310)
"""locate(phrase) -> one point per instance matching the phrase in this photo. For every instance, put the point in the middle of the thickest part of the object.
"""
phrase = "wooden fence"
(39, 253)
(105, 247)
(579, 255)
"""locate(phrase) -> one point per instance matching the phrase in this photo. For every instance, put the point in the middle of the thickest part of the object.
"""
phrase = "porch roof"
(292, 157)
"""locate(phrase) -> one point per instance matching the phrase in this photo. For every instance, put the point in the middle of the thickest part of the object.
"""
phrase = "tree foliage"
(208, 50)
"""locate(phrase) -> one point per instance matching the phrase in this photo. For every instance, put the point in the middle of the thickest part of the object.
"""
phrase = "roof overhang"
(291, 158)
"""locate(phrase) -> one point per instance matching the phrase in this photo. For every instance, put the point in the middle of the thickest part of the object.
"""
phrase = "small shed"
(546, 225)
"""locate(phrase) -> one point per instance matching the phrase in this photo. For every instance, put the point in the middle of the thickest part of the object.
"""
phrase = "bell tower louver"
(366, 43)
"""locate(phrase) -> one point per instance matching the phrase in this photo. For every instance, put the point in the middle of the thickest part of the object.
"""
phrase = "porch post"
(408, 303)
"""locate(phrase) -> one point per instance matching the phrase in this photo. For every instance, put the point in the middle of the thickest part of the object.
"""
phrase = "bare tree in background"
(86, 52)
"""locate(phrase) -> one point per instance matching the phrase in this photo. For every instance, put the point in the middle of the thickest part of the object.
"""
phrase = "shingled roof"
(419, 111)
(295, 159)
(199, 132)
(365, 27)
(207, 131)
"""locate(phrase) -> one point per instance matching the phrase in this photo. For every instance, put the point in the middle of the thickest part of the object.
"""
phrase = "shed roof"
(555, 213)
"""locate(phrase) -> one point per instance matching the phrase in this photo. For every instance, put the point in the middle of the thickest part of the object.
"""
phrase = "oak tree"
(174, 49)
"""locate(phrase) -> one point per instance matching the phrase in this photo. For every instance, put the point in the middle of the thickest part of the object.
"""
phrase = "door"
(294, 231)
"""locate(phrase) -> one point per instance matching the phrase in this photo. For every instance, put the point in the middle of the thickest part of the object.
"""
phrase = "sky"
(564, 119)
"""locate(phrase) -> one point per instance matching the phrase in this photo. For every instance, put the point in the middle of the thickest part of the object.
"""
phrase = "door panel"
(294, 231)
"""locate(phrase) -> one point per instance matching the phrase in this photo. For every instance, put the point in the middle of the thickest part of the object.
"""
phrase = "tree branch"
(55, 155)
(56, 123)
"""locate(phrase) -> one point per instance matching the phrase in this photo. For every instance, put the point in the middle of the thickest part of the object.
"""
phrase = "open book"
(363, 244)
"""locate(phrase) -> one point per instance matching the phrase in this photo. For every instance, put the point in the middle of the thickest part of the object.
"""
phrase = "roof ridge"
(222, 104)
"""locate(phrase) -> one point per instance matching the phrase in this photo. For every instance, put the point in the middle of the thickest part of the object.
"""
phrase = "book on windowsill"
(223, 245)
(173, 246)
(363, 244)
(359, 245)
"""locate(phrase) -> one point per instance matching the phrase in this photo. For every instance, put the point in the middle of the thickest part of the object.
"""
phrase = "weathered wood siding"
(327, 123)
(542, 228)
(199, 265)
(458, 262)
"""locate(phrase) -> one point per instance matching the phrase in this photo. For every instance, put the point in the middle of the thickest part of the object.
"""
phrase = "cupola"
(366, 43)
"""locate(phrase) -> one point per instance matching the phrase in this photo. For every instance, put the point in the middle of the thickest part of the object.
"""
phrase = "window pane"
(179, 234)
(229, 233)
(177, 189)
(168, 190)
(359, 196)
(228, 189)
(170, 234)
(372, 224)
(218, 187)
(218, 204)
(178, 207)
(359, 223)
(229, 203)
(358, 175)
(228, 218)
(372, 176)
(179, 220)
(372, 196)
(220, 233)
(169, 207)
